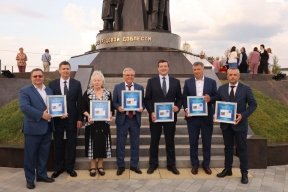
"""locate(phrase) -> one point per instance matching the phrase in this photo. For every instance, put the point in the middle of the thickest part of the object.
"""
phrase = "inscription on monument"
(124, 39)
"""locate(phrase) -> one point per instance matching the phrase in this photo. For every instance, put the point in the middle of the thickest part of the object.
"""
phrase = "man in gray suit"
(234, 91)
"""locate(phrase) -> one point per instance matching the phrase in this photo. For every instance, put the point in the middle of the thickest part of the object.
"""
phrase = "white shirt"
(131, 89)
(167, 81)
(271, 57)
(199, 86)
(234, 89)
(43, 94)
(62, 84)
(232, 56)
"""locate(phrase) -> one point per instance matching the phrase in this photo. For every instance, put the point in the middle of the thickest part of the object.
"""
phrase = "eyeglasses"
(39, 76)
(129, 75)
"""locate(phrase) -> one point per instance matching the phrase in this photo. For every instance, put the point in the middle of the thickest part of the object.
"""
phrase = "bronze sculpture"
(108, 14)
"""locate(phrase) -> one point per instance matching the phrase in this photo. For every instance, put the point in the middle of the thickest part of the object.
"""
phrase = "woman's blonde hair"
(100, 74)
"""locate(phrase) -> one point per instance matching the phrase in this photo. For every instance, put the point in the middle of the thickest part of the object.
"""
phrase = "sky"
(68, 28)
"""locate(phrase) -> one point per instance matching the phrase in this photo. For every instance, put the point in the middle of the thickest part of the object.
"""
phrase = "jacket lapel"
(37, 94)
(238, 91)
(157, 83)
(58, 87)
(226, 92)
(205, 86)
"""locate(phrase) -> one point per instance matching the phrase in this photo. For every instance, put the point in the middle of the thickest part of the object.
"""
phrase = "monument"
(137, 33)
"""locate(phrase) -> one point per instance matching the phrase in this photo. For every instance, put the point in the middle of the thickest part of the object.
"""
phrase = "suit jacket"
(242, 96)
(33, 106)
(155, 94)
(73, 99)
(117, 99)
(210, 89)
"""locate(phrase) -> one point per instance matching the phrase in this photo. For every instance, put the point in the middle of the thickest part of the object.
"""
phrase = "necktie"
(130, 113)
(231, 93)
(164, 89)
(65, 88)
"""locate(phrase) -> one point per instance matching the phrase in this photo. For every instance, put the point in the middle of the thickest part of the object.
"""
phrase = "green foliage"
(270, 119)
(276, 67)
(11, 121)
(93, 47)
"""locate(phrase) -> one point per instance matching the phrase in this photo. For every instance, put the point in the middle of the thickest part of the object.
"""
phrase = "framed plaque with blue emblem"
(197, 106)
(164, 112)
(131, 100)
(225, 112)
(56, 105)
(100, 110)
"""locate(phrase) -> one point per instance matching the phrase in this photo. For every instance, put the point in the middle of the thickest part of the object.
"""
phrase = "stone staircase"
(181, 141)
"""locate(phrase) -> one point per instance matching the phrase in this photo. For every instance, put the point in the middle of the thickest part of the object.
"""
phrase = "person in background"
(242, 64)
(21, 60)
(46, 58)
(216, 65)
(253, 61)
(232, 58)
(263, 60)
(37, 128)
(97, 133)
(270, 60)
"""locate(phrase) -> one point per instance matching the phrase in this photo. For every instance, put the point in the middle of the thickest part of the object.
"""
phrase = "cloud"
(10, 38)
(22, 10)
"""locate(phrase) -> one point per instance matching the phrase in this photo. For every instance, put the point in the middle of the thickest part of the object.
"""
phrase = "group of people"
(39, 124)
(256, 62)
(21, 59)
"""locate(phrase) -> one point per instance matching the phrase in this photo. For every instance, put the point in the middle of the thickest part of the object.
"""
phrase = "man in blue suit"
(37, 128)
(200, 86)
(234, 91)
(162, 88)
(67, 123)
(127, 121)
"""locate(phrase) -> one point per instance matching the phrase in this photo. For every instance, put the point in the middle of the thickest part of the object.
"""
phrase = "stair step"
(180, 150)
(83, 163)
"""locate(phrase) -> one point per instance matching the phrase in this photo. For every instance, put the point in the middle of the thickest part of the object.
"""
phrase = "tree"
(186, 47)
(276, 67)
(93, 47)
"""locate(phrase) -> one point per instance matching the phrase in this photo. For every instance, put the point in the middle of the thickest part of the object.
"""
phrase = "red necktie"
(130, 113)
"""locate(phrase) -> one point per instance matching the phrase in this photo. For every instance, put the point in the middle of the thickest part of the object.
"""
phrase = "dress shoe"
(152, 168)
(120, 170)
(101, 171)
(207, 170)
(225, 172)
(136, 169)
(92, 172)
(173, 169)
(30, 185)
(57, 173)
(244, 178)
(46, 180)
(71, 172)
(194, 170)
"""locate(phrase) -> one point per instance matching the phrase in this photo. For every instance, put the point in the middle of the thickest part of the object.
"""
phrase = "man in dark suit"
(67, 123)
(127, 121)
(37, 128)
(234, 91)
(162, 88)
(200, 86)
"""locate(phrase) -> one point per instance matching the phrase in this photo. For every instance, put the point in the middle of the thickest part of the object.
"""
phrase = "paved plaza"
(274, 178)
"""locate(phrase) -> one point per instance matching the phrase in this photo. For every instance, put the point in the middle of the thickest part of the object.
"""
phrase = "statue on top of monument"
(160, 15)
(108, 14)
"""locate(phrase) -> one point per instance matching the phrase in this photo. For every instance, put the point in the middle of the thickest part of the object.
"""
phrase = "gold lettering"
(108, 40)
(124, 39)
(142, 38)
(118, 39)
(149, 38)
(138, 38)
(131, 38)
(135, 38)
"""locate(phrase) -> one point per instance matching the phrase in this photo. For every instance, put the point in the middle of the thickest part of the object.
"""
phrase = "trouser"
(158, 13)
(46, 66)
(263, 67)
(254, 68)
(21, 69)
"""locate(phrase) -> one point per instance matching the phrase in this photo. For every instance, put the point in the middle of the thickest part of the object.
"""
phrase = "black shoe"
(92, 174)
(173, 169)
(244, 178)
(225, 172)
(101, 172)
(152, 168)
(207, 170)
(57, 173)
(30, 185)
(46, 180)
(72, 173)
(120, 170)
(136, 169)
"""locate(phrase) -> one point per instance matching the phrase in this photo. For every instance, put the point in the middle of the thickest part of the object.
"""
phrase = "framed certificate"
(56, 105)
(131, 100)
(225, 112)
(197, 106)
(100, 110)
(164, 112)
